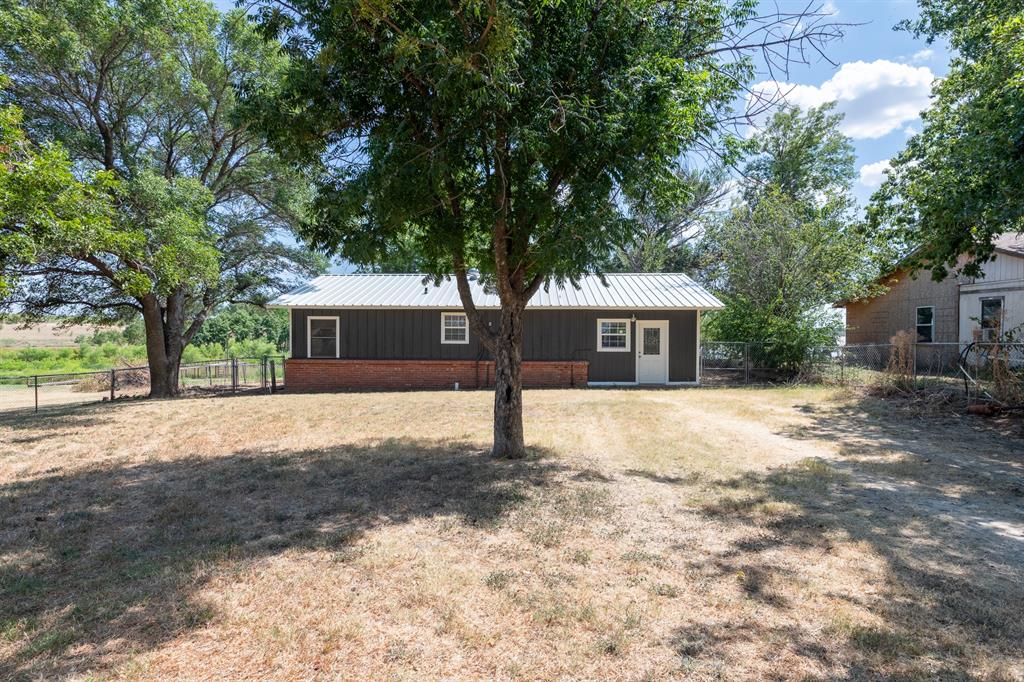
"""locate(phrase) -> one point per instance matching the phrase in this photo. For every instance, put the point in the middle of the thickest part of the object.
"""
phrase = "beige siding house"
(955, 310)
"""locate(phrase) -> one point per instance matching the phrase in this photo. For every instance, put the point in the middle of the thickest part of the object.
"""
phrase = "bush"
(786, 342)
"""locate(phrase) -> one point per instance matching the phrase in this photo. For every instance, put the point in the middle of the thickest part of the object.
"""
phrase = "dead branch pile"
(126, 376)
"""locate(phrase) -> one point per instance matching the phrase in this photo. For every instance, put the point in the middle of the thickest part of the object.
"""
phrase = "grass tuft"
(499, 580)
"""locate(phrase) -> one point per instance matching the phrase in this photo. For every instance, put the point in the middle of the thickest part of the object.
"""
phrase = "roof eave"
(283, 306)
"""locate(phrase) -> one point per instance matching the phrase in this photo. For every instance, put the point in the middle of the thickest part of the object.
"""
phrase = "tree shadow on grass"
(107, 560)
(61, 417)
(56, 420)
(936, 497)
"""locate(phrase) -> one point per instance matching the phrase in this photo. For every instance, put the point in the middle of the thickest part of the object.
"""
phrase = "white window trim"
(990, 334)
(309, 335)
(628, 334)
(932, 325)
(458, 314)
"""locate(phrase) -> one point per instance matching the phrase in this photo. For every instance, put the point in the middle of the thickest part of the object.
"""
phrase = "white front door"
(652, 352)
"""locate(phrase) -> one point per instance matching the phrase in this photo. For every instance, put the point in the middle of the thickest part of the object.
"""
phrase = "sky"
(881, 78)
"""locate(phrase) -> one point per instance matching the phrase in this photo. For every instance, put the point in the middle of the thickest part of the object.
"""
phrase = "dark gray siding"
(547, 335)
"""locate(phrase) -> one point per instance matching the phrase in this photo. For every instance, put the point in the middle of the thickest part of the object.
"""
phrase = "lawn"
(788, 533)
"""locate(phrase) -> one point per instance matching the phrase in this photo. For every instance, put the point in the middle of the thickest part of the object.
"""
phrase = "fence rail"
(39, 391)
(974, 366)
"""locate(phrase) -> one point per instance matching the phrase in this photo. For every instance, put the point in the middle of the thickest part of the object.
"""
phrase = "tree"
(793, 246)
(147, 91)
(498, 134)
(39, 193)
(667, 229)
(778, 268)
(957, 184)
(245, 323)
(802, 154)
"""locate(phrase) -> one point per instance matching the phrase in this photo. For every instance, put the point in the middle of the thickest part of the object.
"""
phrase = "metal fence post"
(35, 383)
(234, 374)
(113, 379)
(746, 363)
(273, 376)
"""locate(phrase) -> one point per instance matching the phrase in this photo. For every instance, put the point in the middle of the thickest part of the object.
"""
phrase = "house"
(401, 331)
(957, 310)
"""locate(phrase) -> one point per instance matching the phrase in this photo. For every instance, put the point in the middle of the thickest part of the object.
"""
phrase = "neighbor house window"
(613, 335)
(322, 337)
(991, 318)
(454, 328)
(925, 324)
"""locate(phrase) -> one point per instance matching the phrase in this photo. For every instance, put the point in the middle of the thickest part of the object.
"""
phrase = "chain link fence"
(977, 368)
(226, 375)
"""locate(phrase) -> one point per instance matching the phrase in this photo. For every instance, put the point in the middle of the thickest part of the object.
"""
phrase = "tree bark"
(164, 345)
(508, 385)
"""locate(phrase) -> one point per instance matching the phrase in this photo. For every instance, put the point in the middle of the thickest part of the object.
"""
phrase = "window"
(925, 324)
(991, 318)
(454, 328)
(613, 335)
(322, 337)
(652, 340)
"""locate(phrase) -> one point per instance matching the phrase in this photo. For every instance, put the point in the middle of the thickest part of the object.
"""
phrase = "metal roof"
(639, 291)
(1010, 243)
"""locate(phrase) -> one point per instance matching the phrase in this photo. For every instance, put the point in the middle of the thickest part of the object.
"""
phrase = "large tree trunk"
(163, 343)
(508, 385)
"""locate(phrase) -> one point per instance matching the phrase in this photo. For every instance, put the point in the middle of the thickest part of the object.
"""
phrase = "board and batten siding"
(415, 334)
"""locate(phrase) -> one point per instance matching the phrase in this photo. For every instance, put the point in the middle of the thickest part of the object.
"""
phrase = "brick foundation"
(332, 375)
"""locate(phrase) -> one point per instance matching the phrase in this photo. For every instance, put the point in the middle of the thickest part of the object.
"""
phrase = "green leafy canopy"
(442, 123)
(42, 201)
(146, 92)
(957, 185)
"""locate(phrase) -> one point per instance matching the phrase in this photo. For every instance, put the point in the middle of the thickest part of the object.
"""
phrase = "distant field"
(42, 335)
(47, 348)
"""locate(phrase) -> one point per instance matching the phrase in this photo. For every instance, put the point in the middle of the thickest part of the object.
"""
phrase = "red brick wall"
(332, 375)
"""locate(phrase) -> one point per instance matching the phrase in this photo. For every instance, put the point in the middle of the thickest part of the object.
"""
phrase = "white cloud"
(876, 97)
(872, 174)
(922, 55)
(829, 8)
(910, 131)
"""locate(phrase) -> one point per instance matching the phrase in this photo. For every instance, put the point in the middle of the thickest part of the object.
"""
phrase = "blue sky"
(881, 79)
(881, 83)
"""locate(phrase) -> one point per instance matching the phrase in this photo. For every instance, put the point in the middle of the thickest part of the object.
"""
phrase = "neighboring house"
(401, 331)
(955, 310)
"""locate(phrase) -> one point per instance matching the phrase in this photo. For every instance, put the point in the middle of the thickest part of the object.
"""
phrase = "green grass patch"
(92, 357)
(50, 642)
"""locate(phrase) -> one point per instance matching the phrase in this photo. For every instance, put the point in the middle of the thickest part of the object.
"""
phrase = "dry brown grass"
(42, 335)
(793, 533)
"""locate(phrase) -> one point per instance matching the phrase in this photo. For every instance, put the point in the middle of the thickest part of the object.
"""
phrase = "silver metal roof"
(639, 291)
